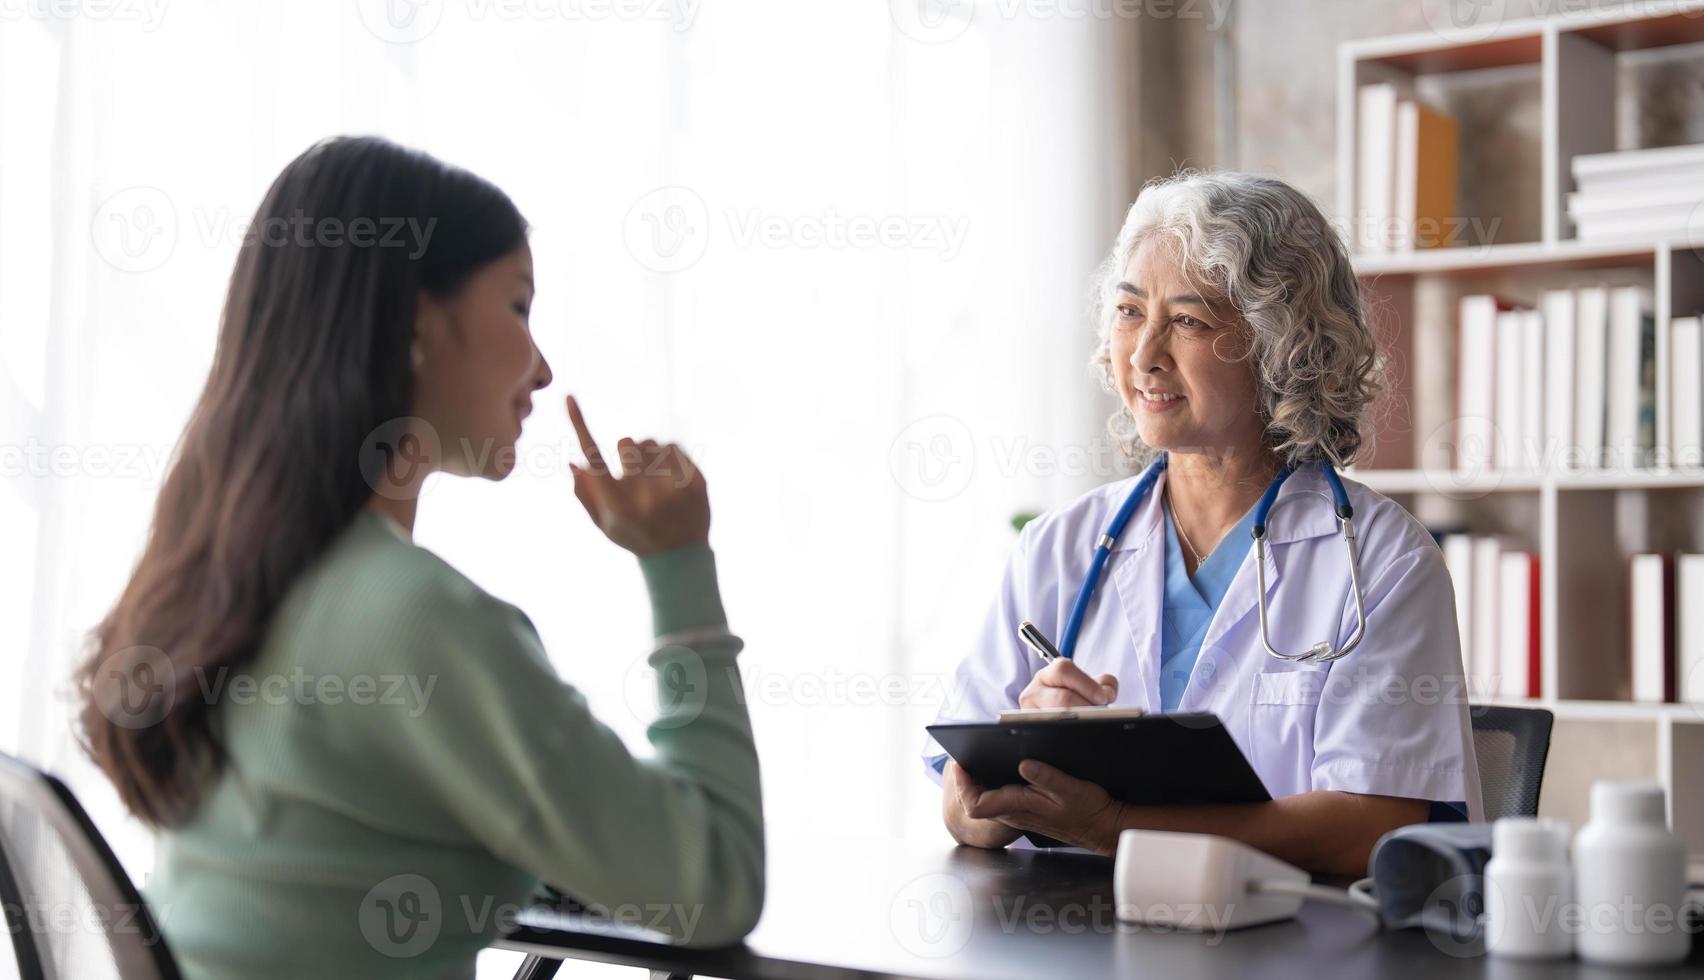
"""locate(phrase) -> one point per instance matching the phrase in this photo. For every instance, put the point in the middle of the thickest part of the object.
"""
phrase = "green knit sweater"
(405, 767)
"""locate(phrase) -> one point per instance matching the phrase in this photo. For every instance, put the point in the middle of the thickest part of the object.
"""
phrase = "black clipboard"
(1166, 759)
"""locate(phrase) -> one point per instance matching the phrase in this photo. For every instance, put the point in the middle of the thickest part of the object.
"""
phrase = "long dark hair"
(313, 356)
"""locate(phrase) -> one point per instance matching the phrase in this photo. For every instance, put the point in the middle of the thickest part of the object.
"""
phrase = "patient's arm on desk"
(965, 828)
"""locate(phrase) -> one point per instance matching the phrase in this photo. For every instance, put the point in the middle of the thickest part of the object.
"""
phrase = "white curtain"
(841, 251)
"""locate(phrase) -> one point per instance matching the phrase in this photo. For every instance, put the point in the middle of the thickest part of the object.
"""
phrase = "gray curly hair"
(1267, 249)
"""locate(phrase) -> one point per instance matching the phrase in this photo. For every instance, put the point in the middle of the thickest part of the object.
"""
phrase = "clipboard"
(1166, 759)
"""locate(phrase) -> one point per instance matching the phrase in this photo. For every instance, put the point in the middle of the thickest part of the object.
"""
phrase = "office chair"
(71, 911)
(1511, 745)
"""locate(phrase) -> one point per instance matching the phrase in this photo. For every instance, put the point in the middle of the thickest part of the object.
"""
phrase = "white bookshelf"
(1582, 524)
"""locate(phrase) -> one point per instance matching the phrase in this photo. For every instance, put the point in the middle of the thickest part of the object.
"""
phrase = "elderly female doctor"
(1234, 333)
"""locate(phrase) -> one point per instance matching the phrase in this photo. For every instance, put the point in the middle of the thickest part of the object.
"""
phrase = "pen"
(1036, 641)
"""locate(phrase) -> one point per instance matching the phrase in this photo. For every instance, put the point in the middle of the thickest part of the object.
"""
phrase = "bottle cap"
(1639, 802)
(1530, 838)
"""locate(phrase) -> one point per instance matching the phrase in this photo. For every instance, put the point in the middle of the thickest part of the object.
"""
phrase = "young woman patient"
(404, 767)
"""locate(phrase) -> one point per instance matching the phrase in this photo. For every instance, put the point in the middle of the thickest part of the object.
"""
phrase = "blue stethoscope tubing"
(1321, 652)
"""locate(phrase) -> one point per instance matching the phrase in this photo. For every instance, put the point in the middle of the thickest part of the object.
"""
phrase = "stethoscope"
(1321, 652)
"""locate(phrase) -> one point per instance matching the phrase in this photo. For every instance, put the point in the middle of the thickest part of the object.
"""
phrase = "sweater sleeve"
(508, 748)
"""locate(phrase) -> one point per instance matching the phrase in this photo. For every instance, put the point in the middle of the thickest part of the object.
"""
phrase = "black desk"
(883, 909)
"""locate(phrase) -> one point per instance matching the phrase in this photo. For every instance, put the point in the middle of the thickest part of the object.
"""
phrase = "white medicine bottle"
(1528, 889)
(1630, 879)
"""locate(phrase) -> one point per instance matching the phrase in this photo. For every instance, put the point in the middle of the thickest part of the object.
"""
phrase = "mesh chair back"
(1512, 744)
(71, 911)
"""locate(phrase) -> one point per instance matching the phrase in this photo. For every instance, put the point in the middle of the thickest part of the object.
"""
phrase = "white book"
(1557, 309)
(1484, 676)
(1376, 167)
(1514, 593)
(1686, 392)
(1623, 168)
(1637, 226)
(1689, 643)
(1649, 642)
(1627, 306)
(1531, 448)
(1647, 197)
(1476, 379)
(1591, 345)
(1458, 558)
(1510, 398)
(1405, 174)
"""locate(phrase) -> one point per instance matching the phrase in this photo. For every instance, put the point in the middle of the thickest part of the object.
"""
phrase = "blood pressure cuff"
(1432, 876)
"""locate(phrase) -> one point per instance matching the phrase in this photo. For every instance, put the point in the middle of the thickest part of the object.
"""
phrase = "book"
(1530, 449)
(1476, 379)
(1425, 175)
(1556, 306)
(1645, 199)
(1638, 168)
(1517, 625)
(1591, 346)
(1629, 309)
(1509, 412)
(1686, 392)
(1637, 226)
(1650, 626)
(1689, 633)
(1484, 680)
(1458, 558)
(1375, 167)
(1645, 442)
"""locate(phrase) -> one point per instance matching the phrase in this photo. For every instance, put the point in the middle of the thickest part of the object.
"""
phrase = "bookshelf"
(1583, 524)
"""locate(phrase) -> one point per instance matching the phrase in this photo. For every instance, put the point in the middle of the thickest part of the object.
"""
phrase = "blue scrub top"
(1190, 602)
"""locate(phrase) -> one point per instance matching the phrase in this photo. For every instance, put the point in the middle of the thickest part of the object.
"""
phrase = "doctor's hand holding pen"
(657, 504)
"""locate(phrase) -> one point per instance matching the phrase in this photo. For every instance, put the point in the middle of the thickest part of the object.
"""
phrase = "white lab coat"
(1391, 718)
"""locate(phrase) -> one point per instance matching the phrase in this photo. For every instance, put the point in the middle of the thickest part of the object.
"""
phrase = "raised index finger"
(588, 445)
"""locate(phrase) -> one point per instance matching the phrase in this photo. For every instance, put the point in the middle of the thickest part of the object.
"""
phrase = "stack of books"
(1639, 194)
(1405, 174)
(1496, 590)
(1572, 385)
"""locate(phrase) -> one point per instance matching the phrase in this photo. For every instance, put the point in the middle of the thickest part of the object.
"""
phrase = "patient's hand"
(1062, 684)
(1056, 804)
(658, 503)
(957, 789)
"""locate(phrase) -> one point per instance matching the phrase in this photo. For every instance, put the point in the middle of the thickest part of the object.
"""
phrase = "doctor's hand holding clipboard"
(1052, 798)
(1240, 576)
